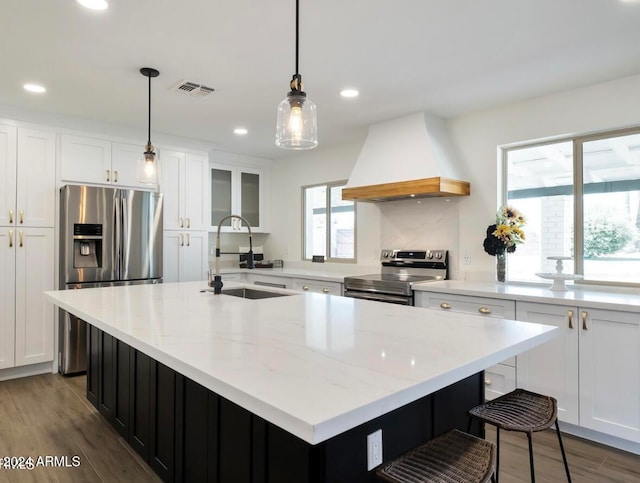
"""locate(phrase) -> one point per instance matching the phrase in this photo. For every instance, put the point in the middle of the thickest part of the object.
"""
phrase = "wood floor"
(49, 415)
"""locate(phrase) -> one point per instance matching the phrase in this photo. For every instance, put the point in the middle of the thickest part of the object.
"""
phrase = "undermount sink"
(249, 293)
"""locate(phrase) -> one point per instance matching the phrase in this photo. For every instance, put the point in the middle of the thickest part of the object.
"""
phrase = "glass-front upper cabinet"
(237, 191)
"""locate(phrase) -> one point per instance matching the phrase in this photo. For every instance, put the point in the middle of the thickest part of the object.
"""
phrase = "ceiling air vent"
(192, 89)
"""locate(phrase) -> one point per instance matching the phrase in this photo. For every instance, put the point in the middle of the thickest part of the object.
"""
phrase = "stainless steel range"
(400, 269)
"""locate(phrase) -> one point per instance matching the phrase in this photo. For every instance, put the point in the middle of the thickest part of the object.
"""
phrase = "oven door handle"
(379, 297)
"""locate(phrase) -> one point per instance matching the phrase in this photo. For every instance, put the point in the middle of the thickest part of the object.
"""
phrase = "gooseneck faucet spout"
(217, 279)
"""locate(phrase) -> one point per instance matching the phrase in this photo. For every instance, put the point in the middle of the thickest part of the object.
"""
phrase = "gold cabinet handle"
(108, 175)
(21, 216)
(584, 320)
(188, 239)
(21, 238)
(305, 287)
(115, 176)
(487, 381)
(181, 240)
(484, 310)
(325, 290)
(181, 222)
(570, 317)
(11, 217)
(10, 238)
(445, 305)
(188, 222)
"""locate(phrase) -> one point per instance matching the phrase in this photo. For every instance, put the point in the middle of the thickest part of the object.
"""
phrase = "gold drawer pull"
(188, 239)
(445, 305)
(181, 240)
(487, 381)
(484, 310)
(21, 216)
(181, 222)
(584, 320)
(188, 222)
(11, 216)
(10, 238)
(305, 287)
(570, 316)
(115, 176)
(325, 290)
(108, 175)
(21, 238)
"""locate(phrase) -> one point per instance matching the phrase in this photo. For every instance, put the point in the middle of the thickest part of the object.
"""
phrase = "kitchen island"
(285, 388)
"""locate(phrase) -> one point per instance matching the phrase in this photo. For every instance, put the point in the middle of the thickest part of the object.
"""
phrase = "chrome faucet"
(217, 279)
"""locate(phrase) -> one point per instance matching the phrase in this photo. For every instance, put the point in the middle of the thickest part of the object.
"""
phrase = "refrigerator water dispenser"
(87, 245)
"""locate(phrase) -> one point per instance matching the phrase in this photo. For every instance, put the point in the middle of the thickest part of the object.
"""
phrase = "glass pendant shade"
(297, 125)
(148, 169)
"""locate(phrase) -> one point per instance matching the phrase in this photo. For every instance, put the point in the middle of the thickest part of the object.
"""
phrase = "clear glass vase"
(501, 267)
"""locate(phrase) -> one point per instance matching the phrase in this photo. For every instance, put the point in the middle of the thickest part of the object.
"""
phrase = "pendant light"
(148, 169)
(297, 126)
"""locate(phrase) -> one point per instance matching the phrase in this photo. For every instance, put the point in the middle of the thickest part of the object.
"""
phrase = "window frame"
(328, 258)
(577, 140)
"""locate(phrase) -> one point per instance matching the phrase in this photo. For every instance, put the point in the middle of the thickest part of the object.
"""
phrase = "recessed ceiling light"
(94, 4)
(349, 93)
(34, 88)
(240, 131)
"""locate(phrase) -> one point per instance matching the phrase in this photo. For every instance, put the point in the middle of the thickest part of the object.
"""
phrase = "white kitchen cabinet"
(85, 159)
(317, 286)
(185, 184)
(552, 368)
(26, 321)
(7, 297)
(185, 255)
(499, 378)
(27, 167)
(238, 191)
(610, 372)
(593, 369)
(100, 161)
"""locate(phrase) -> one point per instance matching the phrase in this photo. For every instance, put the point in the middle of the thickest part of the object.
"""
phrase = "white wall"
(460, 223)
(314, 167)
(605, 106)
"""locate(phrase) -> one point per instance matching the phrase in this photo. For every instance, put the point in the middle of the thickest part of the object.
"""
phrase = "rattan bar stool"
(454, 457)
(521, 411)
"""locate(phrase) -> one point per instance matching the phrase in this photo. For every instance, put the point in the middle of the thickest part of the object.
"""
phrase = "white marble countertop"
(588, 296)
(315, 365)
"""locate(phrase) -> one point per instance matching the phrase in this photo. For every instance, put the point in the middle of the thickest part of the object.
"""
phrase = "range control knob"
(429, 255)
(385, 254)
(438, 255)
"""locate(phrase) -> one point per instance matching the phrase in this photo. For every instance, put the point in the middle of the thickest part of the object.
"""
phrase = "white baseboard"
(601, 438)
(25, 371)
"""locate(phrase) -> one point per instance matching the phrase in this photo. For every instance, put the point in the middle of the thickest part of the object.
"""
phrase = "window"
(581, 197)
(328, 221)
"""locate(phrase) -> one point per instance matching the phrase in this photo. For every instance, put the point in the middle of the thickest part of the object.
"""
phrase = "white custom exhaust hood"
(408, 157)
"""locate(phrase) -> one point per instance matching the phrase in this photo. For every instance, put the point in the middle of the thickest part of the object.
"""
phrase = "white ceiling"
(445, 57)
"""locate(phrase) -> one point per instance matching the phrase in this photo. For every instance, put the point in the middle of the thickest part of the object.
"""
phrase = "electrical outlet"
(467, 259)
(374, 449)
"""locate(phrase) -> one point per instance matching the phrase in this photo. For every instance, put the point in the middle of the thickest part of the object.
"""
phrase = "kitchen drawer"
(318, 286)
(502, 309)
(269, 280)
(498, 380)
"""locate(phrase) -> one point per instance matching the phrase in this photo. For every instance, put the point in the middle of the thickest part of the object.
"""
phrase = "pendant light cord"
(149, 124)
(297, 32)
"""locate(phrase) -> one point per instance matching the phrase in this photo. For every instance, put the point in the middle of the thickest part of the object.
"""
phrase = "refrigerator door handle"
(117, 234)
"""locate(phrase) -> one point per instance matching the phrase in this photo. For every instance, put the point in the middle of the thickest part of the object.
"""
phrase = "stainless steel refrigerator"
(108, 237)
